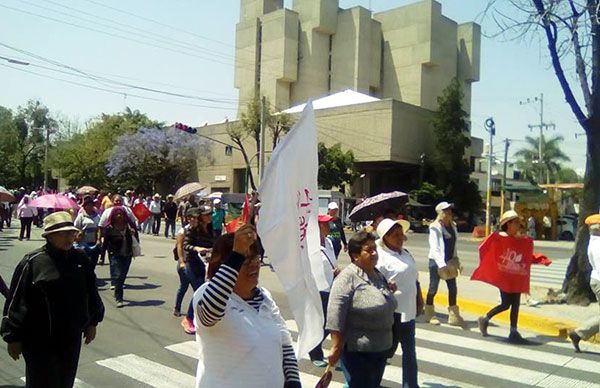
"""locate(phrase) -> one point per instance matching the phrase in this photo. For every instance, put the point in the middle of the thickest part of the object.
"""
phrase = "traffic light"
(185, 128)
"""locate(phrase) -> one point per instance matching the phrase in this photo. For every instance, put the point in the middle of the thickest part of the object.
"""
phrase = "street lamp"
(490, 126)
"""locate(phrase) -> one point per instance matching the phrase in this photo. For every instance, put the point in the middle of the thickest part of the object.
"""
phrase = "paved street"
(143, 344)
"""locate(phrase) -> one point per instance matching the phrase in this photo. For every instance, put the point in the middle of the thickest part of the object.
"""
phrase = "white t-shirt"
(88, 225)
(400, 268)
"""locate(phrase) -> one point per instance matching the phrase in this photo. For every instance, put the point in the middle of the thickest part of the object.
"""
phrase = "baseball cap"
(440, 207)
(205, 209)
(332, 206)
(325, 218)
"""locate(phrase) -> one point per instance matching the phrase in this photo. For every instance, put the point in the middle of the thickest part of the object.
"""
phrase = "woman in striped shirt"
(243, 338)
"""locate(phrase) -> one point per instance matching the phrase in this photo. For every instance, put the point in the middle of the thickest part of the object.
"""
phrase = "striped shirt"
(214, 300)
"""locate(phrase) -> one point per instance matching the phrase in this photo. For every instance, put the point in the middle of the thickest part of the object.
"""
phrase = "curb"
(532, 322)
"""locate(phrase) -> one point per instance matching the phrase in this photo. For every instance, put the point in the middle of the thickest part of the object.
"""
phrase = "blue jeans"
(119, 266)
(184, 283)
(434, 283)
(365, 369)
(196, 274)
(409, 354)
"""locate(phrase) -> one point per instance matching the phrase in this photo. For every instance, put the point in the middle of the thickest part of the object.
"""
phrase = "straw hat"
(593, 219)
(508, 216)
(58, 222)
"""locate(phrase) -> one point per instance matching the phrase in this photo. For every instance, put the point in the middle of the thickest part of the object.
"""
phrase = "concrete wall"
(409, 53)
(379, 132)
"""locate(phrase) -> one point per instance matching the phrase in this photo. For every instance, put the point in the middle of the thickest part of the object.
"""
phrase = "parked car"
(566, 227)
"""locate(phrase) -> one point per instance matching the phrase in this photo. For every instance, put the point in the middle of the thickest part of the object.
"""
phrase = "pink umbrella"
(54, 201)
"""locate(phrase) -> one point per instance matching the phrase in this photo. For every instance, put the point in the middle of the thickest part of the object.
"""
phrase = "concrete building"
(403, 57)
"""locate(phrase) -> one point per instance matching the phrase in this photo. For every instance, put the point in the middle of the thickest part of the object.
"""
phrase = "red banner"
(141, 212)
(505, 262)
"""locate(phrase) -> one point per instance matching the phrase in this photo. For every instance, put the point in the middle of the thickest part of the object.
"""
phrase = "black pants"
(155, 224)
(25, 228)
(51, 366)
(510, 301)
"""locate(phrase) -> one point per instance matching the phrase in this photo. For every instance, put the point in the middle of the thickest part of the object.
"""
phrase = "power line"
(114, 35)
(112, 91)
(83, 74)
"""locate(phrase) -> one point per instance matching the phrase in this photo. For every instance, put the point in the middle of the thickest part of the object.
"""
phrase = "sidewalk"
(477, 298)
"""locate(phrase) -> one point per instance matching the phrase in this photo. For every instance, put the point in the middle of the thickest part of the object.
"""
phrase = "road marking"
(190, 349)
(503, 349)
(487, 368)
(78, 383)
(148, 371)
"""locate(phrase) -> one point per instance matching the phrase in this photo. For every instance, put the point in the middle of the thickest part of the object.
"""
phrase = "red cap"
(325, 218)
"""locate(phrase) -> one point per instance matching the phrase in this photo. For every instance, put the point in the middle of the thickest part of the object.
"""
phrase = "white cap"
(386, 224)
(217, 201)
(333, 206)
(440, 207)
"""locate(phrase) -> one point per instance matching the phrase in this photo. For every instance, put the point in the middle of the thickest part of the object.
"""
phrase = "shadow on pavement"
(145, 303)
(145, 286)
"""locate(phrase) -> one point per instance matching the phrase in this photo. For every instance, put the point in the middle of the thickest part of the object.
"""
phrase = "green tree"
(336, 167)
(451, 169)
(552, 156)
(427, 194)
(9, 174)
(82, 158)
(571, 31)
(567, 175)
(248, 127)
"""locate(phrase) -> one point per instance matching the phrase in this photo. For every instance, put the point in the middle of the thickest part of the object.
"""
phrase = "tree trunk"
(576, 284)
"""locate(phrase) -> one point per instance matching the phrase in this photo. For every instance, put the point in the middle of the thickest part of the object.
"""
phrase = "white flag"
(288, 225)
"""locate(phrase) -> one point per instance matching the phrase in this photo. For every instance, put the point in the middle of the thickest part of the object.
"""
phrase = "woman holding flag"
(505, 260)
(244, 341)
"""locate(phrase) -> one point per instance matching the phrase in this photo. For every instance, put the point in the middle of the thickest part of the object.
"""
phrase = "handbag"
(451, 270)
(136, 249)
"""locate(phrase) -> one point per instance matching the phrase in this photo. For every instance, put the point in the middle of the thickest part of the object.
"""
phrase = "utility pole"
(541, 126)
(502, 193)
(263, 128)
(490, 126)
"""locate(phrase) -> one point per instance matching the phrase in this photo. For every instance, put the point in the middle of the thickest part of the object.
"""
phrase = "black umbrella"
(375, 206)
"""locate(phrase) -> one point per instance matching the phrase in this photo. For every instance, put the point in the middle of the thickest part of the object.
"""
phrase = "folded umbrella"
(6, 196)
(189, 189)
(54, 201)
(377, 205)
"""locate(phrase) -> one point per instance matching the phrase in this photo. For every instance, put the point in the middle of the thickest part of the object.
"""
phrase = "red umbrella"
(54, 201)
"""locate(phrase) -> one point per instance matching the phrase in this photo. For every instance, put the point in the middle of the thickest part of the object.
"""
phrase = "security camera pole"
(490, 126)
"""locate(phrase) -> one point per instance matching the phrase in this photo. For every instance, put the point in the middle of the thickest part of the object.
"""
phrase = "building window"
(329, 64)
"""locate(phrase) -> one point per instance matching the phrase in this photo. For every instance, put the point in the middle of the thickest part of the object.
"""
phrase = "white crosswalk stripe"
(448, 357)
(552, 275)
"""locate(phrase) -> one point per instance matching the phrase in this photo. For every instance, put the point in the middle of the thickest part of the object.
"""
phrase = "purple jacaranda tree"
(155, 159)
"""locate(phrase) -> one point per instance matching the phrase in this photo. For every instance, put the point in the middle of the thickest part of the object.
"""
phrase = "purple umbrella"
(54, 201)
(375, 206)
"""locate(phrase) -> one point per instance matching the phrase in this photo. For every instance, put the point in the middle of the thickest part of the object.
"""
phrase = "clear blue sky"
(199, 63)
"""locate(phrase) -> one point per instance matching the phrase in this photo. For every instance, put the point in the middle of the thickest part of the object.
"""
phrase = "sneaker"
(319, 363)
(188, 326)
(176, 312)
(483, 325)
(575, 338)
(120, 304)
(112, 287)
(515, 338)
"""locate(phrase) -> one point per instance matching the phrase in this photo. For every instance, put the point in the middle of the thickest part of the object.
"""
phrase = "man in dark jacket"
(53, 301)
